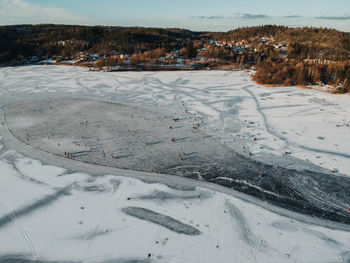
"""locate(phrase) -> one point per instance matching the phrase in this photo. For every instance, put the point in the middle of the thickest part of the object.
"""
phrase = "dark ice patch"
(98, 188)
(242, 226)
(322, 102)
(147, 260)
(162, 220)
(165, 196)
(24, 258)
(115, 184)
(39, 204)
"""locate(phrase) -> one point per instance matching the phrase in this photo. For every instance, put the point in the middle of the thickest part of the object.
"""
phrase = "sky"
(197, 15)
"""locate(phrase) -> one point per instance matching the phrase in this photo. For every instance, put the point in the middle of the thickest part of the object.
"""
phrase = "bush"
(301, 74)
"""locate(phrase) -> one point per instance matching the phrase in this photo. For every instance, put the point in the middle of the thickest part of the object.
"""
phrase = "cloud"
(341, 18)
(263, 16)
(254, 16)
(237, 16)
(292, 16)
(20, 11)
(216, 17)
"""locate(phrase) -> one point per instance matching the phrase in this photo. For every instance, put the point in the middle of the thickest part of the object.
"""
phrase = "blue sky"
(200, 15)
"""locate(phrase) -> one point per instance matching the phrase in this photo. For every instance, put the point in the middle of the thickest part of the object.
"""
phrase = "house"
(48, 61)
(94, 57)
(264, 39)
(241, 43)
(33, 59)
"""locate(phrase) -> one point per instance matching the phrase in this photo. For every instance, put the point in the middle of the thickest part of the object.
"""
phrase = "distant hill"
(281, 55)
(296, 56)
(313, 42)
(49, 40)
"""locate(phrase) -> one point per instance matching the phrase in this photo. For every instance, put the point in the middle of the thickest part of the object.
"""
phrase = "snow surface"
(48, 213)
(304, 123)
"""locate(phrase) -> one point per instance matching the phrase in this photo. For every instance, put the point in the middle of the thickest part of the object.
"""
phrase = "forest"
(314, 55)
(63, 40)
(280, 55)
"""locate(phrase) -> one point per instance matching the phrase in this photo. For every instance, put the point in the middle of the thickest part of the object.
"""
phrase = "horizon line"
(160, 27)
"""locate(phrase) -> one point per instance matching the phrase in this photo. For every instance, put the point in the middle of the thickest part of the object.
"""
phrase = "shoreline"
(225, 68)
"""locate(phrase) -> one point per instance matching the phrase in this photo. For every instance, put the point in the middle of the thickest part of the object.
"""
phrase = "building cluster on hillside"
(175, 56)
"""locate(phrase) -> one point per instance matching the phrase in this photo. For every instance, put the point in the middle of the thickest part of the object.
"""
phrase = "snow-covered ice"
(304, 123)
(57, 216)
(50, 213)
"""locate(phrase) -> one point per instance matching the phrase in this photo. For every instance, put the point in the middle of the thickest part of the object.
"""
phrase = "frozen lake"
(285, 145)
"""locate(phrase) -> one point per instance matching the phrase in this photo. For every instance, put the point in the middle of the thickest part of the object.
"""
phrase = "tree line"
(62, 40)
(314, 55)
(309, 55)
